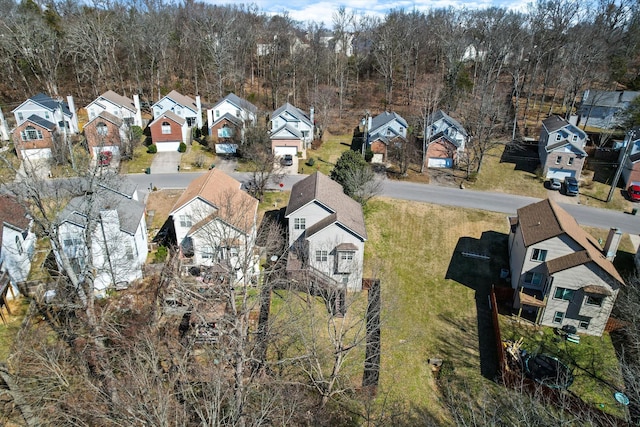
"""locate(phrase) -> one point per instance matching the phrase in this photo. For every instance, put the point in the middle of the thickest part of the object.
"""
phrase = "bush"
(160, 255)
(153, 149)
(311, 161)
(368, 155)
(137, 132)
(182, 148)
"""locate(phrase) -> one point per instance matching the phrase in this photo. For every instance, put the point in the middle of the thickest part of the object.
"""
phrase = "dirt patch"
(159, 204)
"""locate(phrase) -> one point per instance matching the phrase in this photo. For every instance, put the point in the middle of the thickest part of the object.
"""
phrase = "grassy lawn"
(198, 157)
(9, 331)
(9, 164)
(141, 160)
(326, 155)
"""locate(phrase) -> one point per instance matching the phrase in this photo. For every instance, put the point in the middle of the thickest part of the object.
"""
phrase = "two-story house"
(105, 133)
(58, 112)
(326, 233)
(445, 140)
(291, 130)
(117, 249)
(561, 148)
(227, 121)
(17, 240)
(215, 226)
(173, 118)
(126, 109)
(631, 166)
(601, 108)
(560, 273)
(382, 130)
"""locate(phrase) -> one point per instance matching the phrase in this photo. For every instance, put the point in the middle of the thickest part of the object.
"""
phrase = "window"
(575, 138)
(20, 117)
(539, 255)
(299, 224)
(533, 279)
(102, 129)
(237, 113)
(558, 137)
(346, 256)
(584, 324)
(19, 245)
(46, 114)
(321, 256)
(166, 128)
(345, 279)
(30, 133)
(207, 252)
(558, 317)
(233, 251)
(595, 300)
(178, 111)
(563, 293)
(129, 252)
(217, 113)
(570, 161)
(558, 160)
(185, 221)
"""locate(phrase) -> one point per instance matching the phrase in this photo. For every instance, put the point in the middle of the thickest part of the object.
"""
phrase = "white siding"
(16, 253)
(312, 213)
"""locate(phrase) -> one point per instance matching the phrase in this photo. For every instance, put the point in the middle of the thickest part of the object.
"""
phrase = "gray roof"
(295, 133)
(49, 103)
(322, 189)
(384, 118)
(294, 111)
(240, 102)
(181, 99)
(230, 117)
(604, 98)
(169, 115)
(42, 122)
(553, 123)
(130, 211)
(438, 115)
(104, 115)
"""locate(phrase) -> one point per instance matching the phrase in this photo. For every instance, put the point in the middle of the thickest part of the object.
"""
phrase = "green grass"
(9, 331)
(9, 164)
(141, 160)
(197, 153)
(326, 155)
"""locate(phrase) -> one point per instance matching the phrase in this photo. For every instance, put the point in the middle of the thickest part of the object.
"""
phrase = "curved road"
(489, 201)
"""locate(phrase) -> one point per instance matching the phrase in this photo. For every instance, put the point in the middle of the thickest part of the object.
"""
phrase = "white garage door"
(168, 146)
(377, 158)
(561, 174)
(226, 148)
(281, 151)
(37, 154)
(440, 163)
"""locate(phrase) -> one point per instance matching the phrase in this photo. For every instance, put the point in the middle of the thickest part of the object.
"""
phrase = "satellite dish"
(621, 398)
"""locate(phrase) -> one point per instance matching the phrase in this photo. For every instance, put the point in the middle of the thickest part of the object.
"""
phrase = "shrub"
(160, 255)
(137, 132)
(152, 149)
(311, 161)
(182, 148)
(368, 155)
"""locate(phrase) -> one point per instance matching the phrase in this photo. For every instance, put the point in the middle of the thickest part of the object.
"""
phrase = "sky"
(322, 11)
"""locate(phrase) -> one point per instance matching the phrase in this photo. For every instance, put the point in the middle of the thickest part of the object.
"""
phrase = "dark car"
(287, 160)
(555, 184)
(571, 186)
(634, 193)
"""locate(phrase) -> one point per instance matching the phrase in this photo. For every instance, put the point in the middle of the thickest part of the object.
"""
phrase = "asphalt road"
(446, 196)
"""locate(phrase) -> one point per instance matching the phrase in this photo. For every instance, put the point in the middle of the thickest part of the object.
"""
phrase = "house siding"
(379, 147)
(113, 138)
(167, 104)
(176, 134)
(312, 213)
(441, 149)
(98, 106)
(15, 262)
(45, 143)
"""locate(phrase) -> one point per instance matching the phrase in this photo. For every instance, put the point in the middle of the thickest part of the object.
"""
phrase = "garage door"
(168, 146)
(226, 148)
(377, 158)
(561, 174)
(37, 154)
(281, 151)
(440, 163)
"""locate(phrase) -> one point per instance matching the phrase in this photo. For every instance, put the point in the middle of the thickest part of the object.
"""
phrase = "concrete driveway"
(288, 170)
(166, 162)
(37, 167)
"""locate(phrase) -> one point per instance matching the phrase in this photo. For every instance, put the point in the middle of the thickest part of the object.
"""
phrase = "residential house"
(173, 117)
(445, 140)
(105, 133)
(126, 109)
(34, 139)
(61, 114)
(227, 121)
(215, 226)
(383, 130)
(117, 249)
(601, 108)
(631, 166)
(560, 273)
(561, 148)
(291, 130)
(326, 233)
(17, 242)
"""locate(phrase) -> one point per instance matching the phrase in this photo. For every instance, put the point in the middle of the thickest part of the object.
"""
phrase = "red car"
(634, 193)
(104, 158)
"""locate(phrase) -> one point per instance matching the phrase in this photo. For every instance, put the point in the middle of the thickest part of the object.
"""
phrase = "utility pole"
(627, 150)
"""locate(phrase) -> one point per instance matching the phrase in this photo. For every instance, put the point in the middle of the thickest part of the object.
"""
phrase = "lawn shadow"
(524, 157)
(345, 144)
(476, 263)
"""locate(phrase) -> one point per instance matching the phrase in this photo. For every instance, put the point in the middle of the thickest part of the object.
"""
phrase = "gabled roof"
(553, 123)
(286, 132)
(182, 100)
(229, 117)
(441, 115)
(605, 98)
(41, 122)
(13, 214)
(104, 115)
(222, 192)
(119, 100)
(239, 102)
(576, 147)
(384, 118)
(171, 116)
(545, 219)
(294, 111)
(47, 102)
(322, 189)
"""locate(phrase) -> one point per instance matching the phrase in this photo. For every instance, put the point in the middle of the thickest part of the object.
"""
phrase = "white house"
(61, 114)
(326, 232)
(291, 130)
(118, 246)
(18, 240)
(227, 121)
(561, 275)
(182, 106)
(215, 226)
(126, 109)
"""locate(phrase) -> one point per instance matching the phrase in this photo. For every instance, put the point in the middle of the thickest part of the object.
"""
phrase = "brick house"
(168, 130)
(33, 138)
(105, 132)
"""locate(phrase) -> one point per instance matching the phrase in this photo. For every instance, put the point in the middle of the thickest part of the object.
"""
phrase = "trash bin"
(147, 171)
(634, 211)
(213, 165)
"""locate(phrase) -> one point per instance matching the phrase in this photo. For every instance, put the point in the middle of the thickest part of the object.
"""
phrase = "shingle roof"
(240, 102)
(229, 117)
(545, 219)
(295, 133)
(13, 214)
(553, 123)
(294, 111)
(442, 115)
(120, 100)
(49, 103)
(604, 98)
(104, 115)
(183, 100)
(41, 122)
(321, 188)
(223, 192)
(384, 118)
(171, 116)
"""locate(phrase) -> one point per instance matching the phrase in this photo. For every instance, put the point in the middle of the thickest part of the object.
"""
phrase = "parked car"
(634, 193)
(571, 186)
(104, 158)
(555, 184)
(287, 160)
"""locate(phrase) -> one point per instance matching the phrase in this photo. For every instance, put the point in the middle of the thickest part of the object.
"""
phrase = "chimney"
(138, 118)
(199, 116)
(4, 129)
(612, 243)
(74, 114)
(209, 120)
(313, 124)
(369, 120)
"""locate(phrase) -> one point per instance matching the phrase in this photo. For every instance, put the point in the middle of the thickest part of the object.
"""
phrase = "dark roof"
(553, 123)
(384, 118)
(240, 102)
(41, 122)
(50, 103)
(229, 117)
(605, 98)
(545, 219)
(295, 133)
(322, 189)
(13, 214)
(438, 115)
